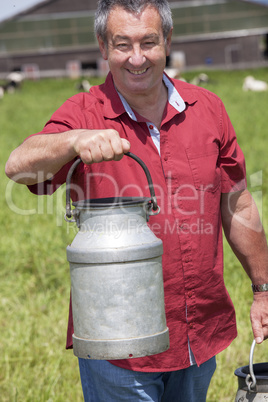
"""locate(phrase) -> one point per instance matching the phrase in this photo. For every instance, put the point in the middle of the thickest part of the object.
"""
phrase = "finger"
(115, 149)
(119, 146)
(125, 145)
(258, 334)
(92, 155)
(96, 154)
(257, 327)
(86, 157)
(106, 151)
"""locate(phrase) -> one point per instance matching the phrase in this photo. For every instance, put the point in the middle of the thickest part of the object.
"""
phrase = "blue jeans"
(104, 382)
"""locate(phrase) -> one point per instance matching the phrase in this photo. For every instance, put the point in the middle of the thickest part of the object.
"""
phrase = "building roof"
(261, 2)
(65, 24)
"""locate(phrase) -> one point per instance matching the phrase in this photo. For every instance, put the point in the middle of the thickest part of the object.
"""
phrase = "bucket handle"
(251, 379)
(155, 206)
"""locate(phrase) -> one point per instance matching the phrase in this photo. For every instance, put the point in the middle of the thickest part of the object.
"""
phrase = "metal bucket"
(116, 277)
(252, 381)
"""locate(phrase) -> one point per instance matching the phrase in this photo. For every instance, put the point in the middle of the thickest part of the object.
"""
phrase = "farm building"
(58, 35)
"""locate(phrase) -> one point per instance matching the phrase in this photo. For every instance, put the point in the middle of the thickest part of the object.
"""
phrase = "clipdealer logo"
(187, 194)
(116, 228)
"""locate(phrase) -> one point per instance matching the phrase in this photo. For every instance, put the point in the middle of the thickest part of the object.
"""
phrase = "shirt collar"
(127, 107)
(174, 99)
(114, 106)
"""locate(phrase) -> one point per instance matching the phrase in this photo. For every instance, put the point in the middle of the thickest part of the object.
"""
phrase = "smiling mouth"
(138, 72)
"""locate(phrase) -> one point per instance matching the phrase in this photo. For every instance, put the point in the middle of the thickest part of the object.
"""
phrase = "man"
(185, 137)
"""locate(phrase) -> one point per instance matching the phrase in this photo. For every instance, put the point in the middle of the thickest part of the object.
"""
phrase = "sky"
(8, 8)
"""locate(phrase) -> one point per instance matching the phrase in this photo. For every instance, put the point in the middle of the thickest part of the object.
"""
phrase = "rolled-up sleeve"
(69, 116)
(231, 158)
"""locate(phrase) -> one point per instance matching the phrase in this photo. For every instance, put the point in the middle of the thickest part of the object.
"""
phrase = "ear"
(103, 48)
(168, 42)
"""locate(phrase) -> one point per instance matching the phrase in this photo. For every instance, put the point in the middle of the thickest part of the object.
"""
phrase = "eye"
(122, 46)
(149, 44)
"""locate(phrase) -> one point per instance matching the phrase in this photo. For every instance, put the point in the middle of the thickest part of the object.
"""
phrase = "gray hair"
(132, 6)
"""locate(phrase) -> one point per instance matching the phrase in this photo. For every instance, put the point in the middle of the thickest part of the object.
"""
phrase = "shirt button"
(191, 325)
(151, 127)
(190, 294)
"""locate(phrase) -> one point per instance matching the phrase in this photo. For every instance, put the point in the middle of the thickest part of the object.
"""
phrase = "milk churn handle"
(149, 179)
(155, 206)
(68, 188)
(251, 379)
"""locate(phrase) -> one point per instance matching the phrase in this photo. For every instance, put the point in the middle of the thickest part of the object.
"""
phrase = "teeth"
(138, 72)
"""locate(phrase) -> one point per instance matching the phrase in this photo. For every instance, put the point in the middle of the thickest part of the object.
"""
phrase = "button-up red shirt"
(200, 159)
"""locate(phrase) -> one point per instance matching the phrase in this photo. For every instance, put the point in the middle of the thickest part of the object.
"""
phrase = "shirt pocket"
(204, 166)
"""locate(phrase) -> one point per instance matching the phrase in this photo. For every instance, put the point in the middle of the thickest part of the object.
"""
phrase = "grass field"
(34, 275)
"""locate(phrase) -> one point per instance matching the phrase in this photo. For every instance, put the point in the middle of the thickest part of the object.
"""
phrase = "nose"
(137, 57)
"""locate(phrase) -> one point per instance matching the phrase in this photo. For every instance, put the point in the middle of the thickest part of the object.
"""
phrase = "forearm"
(251, 251)
(40, 157)
(245, 234)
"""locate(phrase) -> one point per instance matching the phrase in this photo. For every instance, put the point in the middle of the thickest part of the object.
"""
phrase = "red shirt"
(200, 159)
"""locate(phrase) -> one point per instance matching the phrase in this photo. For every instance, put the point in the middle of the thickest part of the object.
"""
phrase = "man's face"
(136, 50)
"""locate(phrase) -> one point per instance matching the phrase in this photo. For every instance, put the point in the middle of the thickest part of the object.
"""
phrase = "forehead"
(124, 23)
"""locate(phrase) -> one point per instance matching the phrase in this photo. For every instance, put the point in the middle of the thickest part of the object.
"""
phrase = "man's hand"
(95, 146)
(259, 316)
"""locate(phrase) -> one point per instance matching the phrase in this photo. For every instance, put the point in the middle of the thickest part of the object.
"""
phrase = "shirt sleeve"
(231, 160)
(69, 116)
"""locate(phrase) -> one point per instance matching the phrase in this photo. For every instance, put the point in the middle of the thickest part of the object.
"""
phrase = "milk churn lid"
(111, 202)
(260, 371)
(253, 376)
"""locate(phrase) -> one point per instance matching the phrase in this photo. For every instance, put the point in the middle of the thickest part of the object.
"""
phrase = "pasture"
(34, 274)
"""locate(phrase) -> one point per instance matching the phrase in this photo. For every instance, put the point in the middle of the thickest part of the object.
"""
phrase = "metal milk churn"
(252, 381)
(116, 277)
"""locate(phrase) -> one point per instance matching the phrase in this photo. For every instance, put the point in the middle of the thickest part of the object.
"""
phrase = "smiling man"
(185, 137)
(136, 50)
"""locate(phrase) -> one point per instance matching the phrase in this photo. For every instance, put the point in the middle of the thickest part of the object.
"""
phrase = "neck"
(150, 106)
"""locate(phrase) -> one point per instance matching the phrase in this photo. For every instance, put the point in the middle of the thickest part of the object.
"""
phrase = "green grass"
(34, 274)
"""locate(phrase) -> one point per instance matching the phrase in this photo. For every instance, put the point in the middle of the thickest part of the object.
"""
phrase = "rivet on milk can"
(252, 381)
(116, 276)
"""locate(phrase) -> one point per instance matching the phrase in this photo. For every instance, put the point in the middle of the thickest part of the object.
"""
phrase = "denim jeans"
(104, 382)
